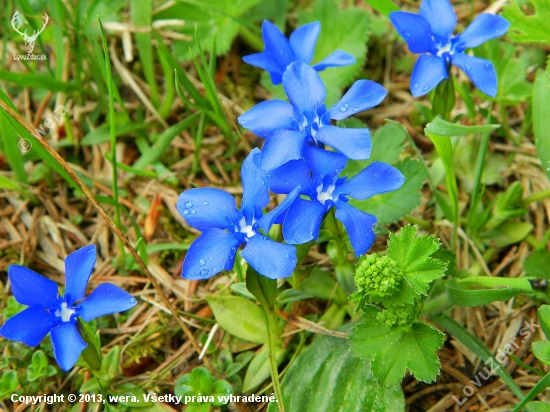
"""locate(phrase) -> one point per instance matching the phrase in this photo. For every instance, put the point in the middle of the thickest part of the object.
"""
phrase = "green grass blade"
(37, 81)
(538, 388)
(476, 346)
(10, 139)
(384, 7)
(541, 119)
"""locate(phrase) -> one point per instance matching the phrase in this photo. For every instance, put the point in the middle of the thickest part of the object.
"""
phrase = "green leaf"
(442, 127)
(390, 207)
(37, 81)
(541, 120)
(541, 350)
(413, 255)
(259, 369)
(346, 29)
(384, 7)
(327, 377)
(538, 407)
(508, 233)
(460, 296)
(394, 350)
(537, 264)
(8, 383)
(292, 295)
(532, 28)
(38, 367)
(387, 145)
(323, 286)
(240, 317)
(544, 319)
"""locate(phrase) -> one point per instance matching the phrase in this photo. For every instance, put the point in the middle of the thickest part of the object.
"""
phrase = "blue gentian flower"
(430, 34)
(280, 52)
(289, 127)
(224, 228)
(318, 179)
(49, 312)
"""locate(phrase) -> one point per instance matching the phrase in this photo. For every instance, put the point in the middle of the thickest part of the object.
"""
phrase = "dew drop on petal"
(133, 301)
(287, 255)
(188, 204)
(193, 212)
(185, 212)
(425, 88)
(204, 203)
(204, 272)
(416, 86)
(468, 67)
(343, 108)
(202, 262)
(355, 109)
(210, 258)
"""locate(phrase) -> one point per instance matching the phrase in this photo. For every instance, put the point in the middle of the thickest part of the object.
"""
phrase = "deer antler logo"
(29, 40)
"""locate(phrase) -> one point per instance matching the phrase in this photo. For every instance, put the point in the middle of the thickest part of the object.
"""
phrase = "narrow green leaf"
(263, 288)
(538, 388)
(459, 296)
(259, 369)
(384, 7)
(37, 81)
(442, 127)
(11, 142)
(541, 119)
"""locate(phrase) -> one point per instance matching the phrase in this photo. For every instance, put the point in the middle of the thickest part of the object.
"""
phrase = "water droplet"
(343, 108)
(416, 86)
(188, 204)
(425, 88)
(268, 175)
(487, 64)
(468, 67)
(210, 258)
(202, 262)
(193, 212)
(287, 255)
(355, 109)
(133, 301)
(185, 212)
(204, 272)
(204, 203)
(233, 249)
(407, 34)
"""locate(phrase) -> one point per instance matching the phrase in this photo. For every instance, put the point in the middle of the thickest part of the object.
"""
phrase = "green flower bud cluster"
(397, 316)
(377, 275)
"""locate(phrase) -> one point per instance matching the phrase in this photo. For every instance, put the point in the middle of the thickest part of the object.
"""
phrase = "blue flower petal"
(270, 259)
(337, 58)
(415, 30)
(484, 27)
(286, 177)
(267, 62)
(428, 72)
(67, 344)
(267, 220)
(362, 95)
(359, 226)
(78, 268)
(205, 208)
(323, 163)
(267, 116)
(353, 143)
(282, 146)
(277, 54)
(104, 300)
(375, 179)
(303, 39)
(255, 193)
(442, 18)
(29, 326)
(29, 288)
(303, 221)
(209, 254)
(480, 71)
(303, 86)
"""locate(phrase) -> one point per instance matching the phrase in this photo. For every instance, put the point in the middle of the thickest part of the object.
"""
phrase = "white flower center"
(326, 195)
(444, 49)
(65, 312)
(248, 231)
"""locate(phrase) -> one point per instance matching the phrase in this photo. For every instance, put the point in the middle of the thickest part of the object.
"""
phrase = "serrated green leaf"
(538, 407)
(345, 29)
(394, 350)
(413, 255)
(240, 317)
(327, 377)
(389, 207)
(531, 28)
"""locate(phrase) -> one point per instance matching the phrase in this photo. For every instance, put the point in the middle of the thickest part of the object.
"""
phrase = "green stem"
(538, 388)
(418, 221)
(525, 366)
(436, 305)
(271, 328)
(105, 398)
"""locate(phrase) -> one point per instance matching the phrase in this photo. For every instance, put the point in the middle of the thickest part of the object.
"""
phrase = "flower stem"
(270, 320)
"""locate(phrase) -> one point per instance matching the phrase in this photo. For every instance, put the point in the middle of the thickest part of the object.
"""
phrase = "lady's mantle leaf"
(528, 28)
(393, 350)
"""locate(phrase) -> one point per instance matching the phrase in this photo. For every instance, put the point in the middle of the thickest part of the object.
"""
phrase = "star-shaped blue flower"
(289, 127)
(224, 228)
(280, 52)
(49, 312)
(430, 34)
(318, 179)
